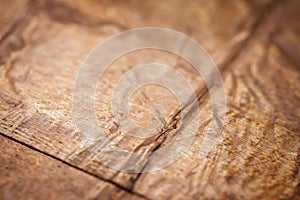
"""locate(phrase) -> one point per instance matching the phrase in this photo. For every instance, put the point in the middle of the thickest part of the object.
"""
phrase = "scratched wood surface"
(255, 44)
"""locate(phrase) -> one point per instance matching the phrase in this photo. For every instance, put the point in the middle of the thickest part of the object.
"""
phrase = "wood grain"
(254, 43)
(38, 78)
(257, 158)
(27, 174)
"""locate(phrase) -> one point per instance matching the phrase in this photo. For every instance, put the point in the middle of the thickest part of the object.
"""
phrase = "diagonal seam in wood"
(202, 92)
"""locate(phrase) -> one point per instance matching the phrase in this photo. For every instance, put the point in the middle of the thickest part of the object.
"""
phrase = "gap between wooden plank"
(202, 92)
(73, 166)
(173, 120)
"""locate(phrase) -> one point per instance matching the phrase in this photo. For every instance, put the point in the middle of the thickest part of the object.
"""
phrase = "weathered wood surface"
(28, 174)
(255, 44)
(257, 158)
(43, 103)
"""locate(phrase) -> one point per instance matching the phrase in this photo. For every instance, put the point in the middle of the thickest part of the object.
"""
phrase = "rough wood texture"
(258, 156)
(43, 102)
(28, 174)
(254, 43)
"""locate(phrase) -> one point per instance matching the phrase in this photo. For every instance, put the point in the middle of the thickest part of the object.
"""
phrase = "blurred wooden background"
(255, 44)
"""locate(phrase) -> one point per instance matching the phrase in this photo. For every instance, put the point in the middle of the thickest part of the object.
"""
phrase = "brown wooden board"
(28, 174)
(39, 79)
(255, 44)
(257, 158)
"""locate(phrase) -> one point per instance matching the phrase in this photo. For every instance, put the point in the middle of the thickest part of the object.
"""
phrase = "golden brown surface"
(255, 45)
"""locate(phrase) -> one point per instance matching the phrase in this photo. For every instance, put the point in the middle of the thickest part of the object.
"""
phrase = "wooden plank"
(27, 174)
(257, 158)
(37, 80)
